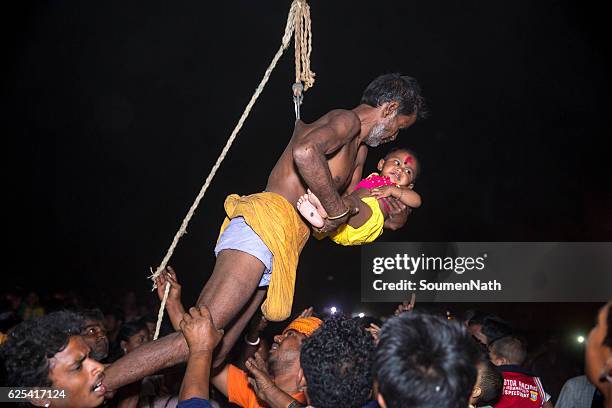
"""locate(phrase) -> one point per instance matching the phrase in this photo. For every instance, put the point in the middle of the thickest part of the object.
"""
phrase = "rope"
(299, 14)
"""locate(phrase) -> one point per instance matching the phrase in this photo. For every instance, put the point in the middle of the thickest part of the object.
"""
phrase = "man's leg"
(231, 285)
(235, 328)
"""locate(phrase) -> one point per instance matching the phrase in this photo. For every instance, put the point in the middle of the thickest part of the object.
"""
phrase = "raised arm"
(202, 337)
(174, 306)
(309, 153)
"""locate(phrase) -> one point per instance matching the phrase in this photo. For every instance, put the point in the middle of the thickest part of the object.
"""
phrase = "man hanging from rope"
(263, 235)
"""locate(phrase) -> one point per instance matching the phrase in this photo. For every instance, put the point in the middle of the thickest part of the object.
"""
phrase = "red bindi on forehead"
(409, 160)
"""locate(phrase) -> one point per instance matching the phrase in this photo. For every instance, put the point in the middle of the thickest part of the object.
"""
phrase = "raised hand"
(200, 331)
(168, 276)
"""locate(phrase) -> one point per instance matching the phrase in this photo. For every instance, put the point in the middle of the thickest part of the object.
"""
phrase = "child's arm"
(405, 195)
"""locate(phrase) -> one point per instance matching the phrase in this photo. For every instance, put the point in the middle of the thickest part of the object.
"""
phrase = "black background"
(117, 111)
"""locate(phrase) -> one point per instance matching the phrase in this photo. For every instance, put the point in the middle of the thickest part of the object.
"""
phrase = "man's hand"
(374, 330)
(200, 331)
(397, 213)
(168, 276)
(382, 191)
(307, 312)
(332, 225)
(405, 306)
(261, 381)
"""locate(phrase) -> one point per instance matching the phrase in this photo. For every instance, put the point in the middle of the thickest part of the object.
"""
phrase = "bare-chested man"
(326, 156)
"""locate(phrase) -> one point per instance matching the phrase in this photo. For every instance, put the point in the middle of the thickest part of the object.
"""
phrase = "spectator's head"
(489, 385)
(284, 355)
(94, 333)
(49, 352)
(424, 360)
(493, 328)
(151, 322)
(32, 299)
(336, 362)
(598, 357)
(132, 335)
(486, 327)
(113, 319)
(508, 350)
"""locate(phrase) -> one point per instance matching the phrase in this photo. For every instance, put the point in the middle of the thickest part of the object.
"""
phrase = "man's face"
(476, 332)
(151, 327)
(80, 376)
(111, 323)
(135, 341)
(95, 337)
(285, 350)
(388, 127)
(598, 357)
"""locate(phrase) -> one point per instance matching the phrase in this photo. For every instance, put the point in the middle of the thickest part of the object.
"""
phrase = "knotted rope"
(298, 22)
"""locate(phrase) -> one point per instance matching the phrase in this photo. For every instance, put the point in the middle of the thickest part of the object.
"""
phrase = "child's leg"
(310, 212)
(356, 220)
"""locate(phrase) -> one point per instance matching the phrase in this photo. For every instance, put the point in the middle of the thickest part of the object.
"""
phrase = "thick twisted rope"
(299, 11)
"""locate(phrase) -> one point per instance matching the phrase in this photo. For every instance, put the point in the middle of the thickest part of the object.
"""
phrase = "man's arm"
(219, 379)
(202, 337)
(398, 214)
(309, 157)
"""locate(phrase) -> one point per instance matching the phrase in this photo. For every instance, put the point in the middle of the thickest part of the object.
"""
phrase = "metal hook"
(297, 89)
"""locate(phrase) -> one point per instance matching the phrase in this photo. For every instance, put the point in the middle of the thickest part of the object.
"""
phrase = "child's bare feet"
(309, 211)
(314, 200)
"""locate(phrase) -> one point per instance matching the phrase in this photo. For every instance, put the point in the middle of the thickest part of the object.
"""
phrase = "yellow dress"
(368, 232)
(280, 227)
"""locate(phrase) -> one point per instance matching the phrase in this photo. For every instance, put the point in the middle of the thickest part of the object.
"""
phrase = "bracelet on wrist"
(251, 343)
(336, 217)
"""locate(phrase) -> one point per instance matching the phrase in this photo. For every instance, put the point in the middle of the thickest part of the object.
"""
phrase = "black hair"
(473, 316)
(365, 321)
(425, 361)
(511, 348)
(491, 383)
(402, 89)
(129, 329)
(115, 311)
(31, 344)
(91, 314)
(417, 169)
(494, 328)
(337, 364)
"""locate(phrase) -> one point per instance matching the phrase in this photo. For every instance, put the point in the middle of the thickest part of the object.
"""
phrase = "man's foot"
(314, 200)
(310, 212)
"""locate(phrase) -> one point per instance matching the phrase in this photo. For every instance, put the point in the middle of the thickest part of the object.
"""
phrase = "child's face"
(400, 167)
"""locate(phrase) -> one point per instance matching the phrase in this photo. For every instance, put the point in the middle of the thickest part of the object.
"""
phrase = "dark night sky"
(121, 108)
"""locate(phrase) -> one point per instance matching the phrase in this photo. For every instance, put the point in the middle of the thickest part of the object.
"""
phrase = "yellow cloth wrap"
(280, 227)
(368, 232)
(304, 325)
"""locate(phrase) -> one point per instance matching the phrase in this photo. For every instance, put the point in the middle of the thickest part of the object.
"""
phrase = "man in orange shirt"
(283, 367)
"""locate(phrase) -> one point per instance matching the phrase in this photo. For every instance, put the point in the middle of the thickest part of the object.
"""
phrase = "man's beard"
(375, 136)
(99, 353)
(377, 133)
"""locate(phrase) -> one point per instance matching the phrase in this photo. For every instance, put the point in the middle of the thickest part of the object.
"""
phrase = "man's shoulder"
(343, 117)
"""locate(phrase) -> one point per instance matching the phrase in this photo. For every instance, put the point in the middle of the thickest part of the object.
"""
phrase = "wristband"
(251, 343)
(337, 217)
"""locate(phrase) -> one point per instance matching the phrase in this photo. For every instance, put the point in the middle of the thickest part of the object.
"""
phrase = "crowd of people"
(410, 359)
